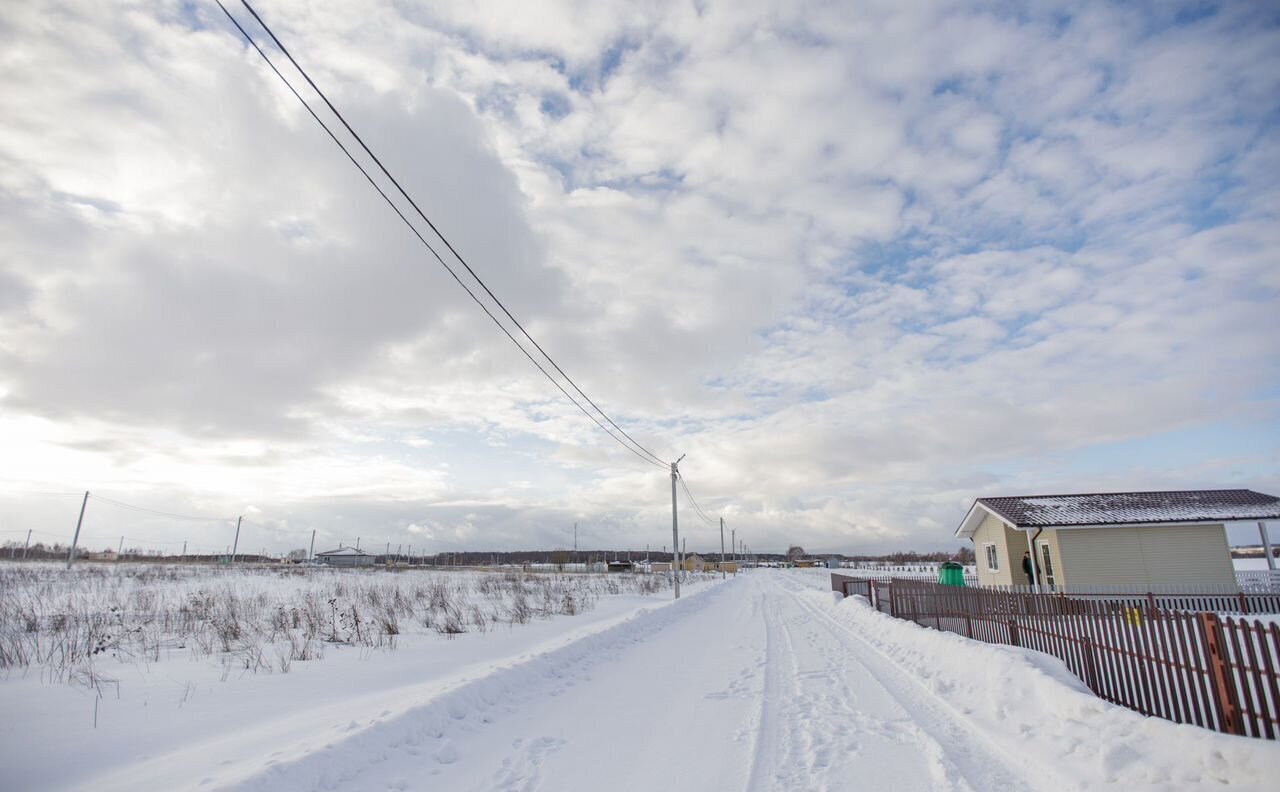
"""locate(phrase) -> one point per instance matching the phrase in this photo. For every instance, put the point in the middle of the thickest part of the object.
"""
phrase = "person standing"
(1027, 564)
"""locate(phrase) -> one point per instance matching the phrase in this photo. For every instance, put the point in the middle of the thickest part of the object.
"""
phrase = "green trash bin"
(951, 574)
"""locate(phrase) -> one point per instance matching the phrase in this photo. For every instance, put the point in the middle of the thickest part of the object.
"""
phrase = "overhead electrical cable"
(633, 446)
(131, 507)
(692, 500)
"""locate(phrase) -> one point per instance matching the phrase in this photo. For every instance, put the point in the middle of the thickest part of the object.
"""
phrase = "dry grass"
(68, 622)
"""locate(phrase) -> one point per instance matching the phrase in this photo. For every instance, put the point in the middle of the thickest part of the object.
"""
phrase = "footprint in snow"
(447, 754)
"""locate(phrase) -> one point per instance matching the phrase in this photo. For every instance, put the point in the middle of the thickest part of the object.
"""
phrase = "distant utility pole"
(236, 545)
(722, 572)
(575, 538)
(311, 554)
(675, 527)
(734, 544)
(71, 556)
(120, 550)
(184, 548)
(26, 544)
(357, 543)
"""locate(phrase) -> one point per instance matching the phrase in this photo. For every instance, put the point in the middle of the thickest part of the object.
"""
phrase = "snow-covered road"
(762, 682)
(750, 685)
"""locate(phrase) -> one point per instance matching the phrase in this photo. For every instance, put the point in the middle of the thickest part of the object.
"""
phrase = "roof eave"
(977, 513)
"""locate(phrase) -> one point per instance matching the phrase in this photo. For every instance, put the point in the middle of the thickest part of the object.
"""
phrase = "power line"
(144, 509)
(634, 447)
(437, 231)
(692, 500)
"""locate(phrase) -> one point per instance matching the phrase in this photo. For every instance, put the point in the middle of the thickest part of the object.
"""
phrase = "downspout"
(1031, 546)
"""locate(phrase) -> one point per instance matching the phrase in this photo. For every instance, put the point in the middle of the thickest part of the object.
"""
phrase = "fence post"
(1013, 632)
(1244, 603)
(1090, 664)
(968, 623)
(1224, 693)
(875, 598)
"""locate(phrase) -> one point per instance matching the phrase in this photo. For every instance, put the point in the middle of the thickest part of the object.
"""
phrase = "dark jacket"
(1026, 567)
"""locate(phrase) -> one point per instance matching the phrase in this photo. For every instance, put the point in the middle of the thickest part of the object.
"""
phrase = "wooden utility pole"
(26, 545)
(675, 529)
(311, 554)
(722, 572)
(71, 556)
(236, 545)
(1266, 545)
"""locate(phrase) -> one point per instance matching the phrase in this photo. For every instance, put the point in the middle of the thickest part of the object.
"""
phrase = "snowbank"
(1044, 719)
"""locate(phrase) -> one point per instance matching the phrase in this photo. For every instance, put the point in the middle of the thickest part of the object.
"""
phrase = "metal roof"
(343, 551)
(1125, 508)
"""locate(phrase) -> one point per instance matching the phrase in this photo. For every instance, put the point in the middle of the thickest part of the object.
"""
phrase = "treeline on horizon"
(40, 551)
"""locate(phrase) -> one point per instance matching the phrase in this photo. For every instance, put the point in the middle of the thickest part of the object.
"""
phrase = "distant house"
(345, 557)
(1112, 538)
(620, 566)
(694, 563)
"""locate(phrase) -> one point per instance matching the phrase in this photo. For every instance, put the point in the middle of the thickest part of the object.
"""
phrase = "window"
(1046, 563)
(993, 560)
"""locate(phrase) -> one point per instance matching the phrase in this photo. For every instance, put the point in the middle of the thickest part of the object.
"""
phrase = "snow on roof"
(1124, 508)
(343, 551)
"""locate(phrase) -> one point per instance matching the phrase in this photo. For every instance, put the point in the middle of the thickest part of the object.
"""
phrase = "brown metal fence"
(1159, 655)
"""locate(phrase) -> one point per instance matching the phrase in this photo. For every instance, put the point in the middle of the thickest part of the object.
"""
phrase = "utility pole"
(184, 548)
(357, 543)
(722, 573)
(575, 541)
(734, 533)
(71, 556)
(120, 550)
(236, 545)
(1262, 530)
(311, 553)
(675, 527)
(26, 544)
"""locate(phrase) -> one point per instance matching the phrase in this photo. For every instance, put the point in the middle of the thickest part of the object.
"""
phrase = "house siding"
(993, 530)
(1144, 555)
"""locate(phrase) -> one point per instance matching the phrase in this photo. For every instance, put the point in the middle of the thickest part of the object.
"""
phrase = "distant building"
(345, 557)
(694, 563)
(1122, 538)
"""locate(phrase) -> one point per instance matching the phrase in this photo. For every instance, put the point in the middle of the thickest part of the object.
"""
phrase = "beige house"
(1125, 538)
(694, 563)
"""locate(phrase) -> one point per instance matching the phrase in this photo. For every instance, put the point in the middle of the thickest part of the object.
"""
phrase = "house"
(620, 566)
(660, 566)
(1120, 538)
(693, 563)
(345, 557)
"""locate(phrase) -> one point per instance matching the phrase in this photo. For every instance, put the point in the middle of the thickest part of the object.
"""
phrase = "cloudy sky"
(861, 261)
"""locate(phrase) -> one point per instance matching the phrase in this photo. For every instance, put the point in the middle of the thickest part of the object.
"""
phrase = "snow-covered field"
(763, 682)
(1249, 564)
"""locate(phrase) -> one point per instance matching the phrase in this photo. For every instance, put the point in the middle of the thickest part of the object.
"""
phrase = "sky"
(861, 262)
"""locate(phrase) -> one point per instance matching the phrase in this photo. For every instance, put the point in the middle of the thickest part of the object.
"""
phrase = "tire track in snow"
(966, 751)
(823, 726)
(766, 735)
(402, 752)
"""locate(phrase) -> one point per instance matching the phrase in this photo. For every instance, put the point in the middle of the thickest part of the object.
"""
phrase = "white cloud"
(862, 267)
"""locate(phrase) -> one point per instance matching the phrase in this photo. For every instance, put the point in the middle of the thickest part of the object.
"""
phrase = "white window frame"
(992, 556)
(1048, 569)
